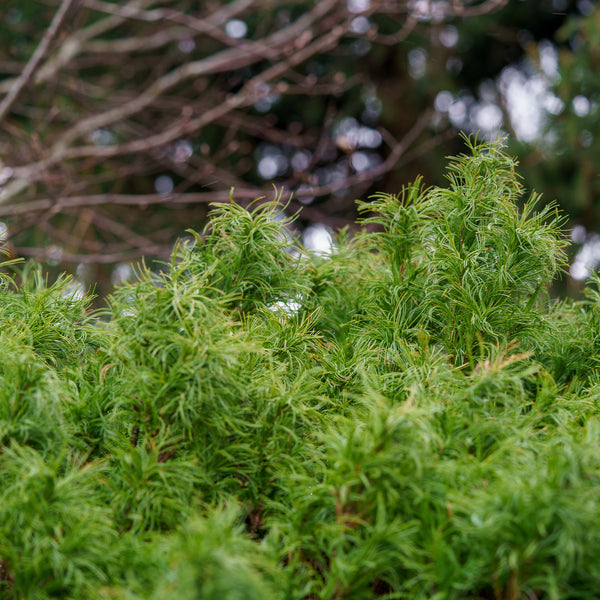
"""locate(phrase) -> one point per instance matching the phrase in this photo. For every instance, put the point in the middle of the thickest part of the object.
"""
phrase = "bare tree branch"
(487, 6)
(140, 200)
(141, 90)
(227, 60)
(250, 93)
(191, 26)
(37, 57)
(72, 46)
(107, 256)
(373, 173)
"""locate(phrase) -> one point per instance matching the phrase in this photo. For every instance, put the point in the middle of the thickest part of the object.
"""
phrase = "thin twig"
(100, 258)
(71, 46)
(488, 6)
(36, 59)
(371, 174)
(226, 60)
(142, 200)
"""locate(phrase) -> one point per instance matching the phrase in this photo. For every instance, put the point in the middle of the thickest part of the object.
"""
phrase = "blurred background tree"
(121, 121)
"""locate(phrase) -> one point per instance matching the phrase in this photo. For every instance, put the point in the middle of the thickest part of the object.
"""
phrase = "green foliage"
(468, 263)
(213, 558)
(247, 254)
(57, 535)
(52, 320)
(30, 399)
(410, 417)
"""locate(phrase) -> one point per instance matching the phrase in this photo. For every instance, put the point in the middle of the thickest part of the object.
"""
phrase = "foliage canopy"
(409, 417)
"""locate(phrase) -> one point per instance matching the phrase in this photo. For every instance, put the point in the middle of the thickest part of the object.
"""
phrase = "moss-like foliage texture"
(409, 417)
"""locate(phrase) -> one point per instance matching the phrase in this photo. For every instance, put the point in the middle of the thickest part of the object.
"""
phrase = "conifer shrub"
(409, 417)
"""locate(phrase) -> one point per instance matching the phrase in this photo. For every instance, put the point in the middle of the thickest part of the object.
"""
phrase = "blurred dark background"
(120, 122)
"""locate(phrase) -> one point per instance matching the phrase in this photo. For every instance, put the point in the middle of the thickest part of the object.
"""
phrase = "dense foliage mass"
(409, 417)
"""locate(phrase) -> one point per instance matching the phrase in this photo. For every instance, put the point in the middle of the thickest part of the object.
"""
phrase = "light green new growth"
(410, 417)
